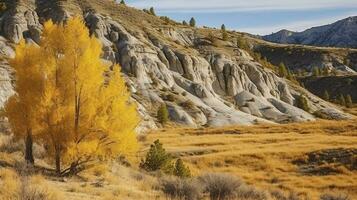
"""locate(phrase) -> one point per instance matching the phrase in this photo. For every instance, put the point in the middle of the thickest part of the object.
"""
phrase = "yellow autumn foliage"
(82, 109)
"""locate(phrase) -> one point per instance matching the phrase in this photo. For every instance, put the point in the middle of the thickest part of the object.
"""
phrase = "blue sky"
(254, 16)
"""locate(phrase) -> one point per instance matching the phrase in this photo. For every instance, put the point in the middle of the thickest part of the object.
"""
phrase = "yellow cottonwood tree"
(84, 111)
(21, 109)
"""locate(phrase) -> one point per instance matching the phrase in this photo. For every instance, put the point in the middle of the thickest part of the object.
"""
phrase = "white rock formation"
(200, 85)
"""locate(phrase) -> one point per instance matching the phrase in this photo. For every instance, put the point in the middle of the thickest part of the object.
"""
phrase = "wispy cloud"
(295, 25)
(241, 5)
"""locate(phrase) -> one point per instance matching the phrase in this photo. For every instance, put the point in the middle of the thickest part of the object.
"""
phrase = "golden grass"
(16, 187)
(263, 155)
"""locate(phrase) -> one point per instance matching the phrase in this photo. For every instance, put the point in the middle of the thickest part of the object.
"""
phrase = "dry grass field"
(308, 159)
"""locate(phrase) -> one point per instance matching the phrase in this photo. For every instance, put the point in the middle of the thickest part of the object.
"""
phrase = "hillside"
(202, 79)
(339, 34)
(334, 85)
(306, 58)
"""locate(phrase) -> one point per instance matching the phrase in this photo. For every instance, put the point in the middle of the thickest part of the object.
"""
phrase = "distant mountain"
(342, 33)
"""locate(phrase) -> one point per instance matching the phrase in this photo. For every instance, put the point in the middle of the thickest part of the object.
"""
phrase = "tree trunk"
(28, 148)
(58, 162)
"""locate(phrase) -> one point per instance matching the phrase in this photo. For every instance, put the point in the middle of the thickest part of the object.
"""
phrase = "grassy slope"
(263, 155)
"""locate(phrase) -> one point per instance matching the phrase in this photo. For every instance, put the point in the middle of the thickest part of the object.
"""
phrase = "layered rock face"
(200, 83)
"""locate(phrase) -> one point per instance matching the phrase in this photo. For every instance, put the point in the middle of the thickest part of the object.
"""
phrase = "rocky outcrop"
(199, 83)
(20, 22)
(207, 79)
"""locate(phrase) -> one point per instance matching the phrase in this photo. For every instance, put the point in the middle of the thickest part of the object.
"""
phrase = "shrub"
(342, 100)
(279, 195)
(181, 170)
(242, 44)
(283, 72)
(2, 7)
(316, 71)
(211, 37)
(9, 145)
(188, 104)
(36, 189)
(220, 186)
(166, 19)
(301, 102)
(250, 193)
(334, 197)
(326, 95)
(349, 101)
(322, 115)
(163, 114)
(184, 189)
(157, 159)
(170, 97)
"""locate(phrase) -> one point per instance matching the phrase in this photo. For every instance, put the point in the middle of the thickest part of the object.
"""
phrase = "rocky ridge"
(339, 34)
(200, 82)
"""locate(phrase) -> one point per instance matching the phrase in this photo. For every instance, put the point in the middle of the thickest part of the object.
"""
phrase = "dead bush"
(9, 145)
(182, 189)
(220, 186)
(34, 188)
(279, 195)
(250, 193)
(329, 196)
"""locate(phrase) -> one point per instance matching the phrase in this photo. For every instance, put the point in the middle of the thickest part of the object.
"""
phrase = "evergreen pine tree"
(290, 76)
(301, 102)
(316, 72)
(342, 100)
(3, 7)
(349, 101)
(184, 23)
(122, 2)
(325, 71)
(283, 72)
(224, 32)
(157, 159)
(152, 11)
(326, 95)
(192, 22)
(181, 170)
(163, 114)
